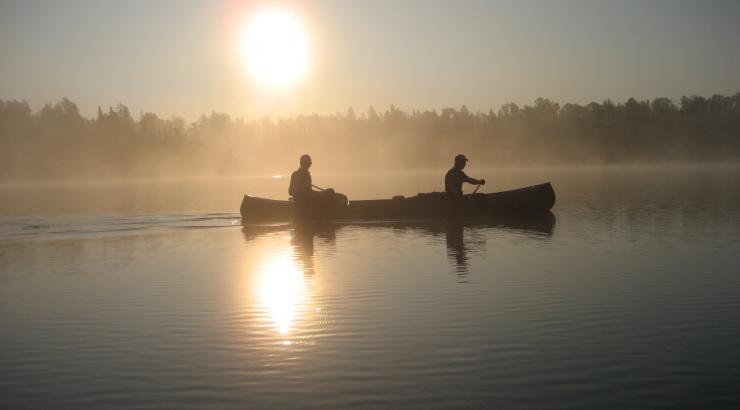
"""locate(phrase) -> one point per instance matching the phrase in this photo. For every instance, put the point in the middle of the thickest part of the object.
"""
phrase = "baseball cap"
(460, 157)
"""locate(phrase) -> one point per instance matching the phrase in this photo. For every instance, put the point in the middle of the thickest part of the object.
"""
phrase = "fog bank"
(58, 143)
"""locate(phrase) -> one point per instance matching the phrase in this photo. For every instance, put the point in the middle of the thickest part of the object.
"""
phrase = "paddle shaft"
(317, 187)
(476, 188)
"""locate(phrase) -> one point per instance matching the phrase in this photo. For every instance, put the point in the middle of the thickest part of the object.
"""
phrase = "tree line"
(58, 142)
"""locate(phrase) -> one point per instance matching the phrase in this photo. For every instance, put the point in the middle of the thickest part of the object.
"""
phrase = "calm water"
(151, 294)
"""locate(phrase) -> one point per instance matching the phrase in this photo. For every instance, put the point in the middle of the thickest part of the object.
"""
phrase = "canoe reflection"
(456, 252)
(463, 237)
(303, 240)
(467, 237)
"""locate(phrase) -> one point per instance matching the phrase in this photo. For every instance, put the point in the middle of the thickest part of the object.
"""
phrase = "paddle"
(317, 187)
(476, 189)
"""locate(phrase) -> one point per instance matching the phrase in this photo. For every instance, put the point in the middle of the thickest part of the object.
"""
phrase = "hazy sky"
(181, 57)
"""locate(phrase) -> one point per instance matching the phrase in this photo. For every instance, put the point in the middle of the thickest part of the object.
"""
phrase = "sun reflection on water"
(282, 289)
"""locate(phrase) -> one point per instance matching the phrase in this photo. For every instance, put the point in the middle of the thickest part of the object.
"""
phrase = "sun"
(275, 48)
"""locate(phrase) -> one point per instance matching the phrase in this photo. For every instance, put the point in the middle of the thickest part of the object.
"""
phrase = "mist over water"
(224, 194)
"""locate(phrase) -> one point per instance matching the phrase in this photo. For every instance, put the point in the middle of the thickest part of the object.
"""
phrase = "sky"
(183, 57)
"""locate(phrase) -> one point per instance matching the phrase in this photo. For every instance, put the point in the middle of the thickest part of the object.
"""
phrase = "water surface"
(152, 294)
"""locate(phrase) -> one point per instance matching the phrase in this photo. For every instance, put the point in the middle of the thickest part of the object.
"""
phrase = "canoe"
(531, 200)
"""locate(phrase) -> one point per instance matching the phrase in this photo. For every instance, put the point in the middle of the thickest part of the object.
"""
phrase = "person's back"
(453, 182)
(455, 178)
(307, 202)
(300, 181)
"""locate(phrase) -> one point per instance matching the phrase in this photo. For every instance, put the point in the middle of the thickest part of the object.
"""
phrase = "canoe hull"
(519, 202)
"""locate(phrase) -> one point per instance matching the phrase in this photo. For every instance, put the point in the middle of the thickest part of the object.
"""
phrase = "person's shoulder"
(455, 171)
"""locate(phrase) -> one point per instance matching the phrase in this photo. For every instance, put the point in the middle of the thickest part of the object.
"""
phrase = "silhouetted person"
(455, 177)
(310, 203)
(300, 181)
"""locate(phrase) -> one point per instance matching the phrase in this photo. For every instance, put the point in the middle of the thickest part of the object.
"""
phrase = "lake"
(151, 294)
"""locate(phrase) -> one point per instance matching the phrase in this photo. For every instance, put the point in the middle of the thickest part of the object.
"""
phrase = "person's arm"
(469, 180)
(309, 182)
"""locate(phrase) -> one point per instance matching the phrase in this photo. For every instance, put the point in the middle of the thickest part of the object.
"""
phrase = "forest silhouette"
(57, 142)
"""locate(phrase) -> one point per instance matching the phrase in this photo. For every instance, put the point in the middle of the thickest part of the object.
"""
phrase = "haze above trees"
(57, 142)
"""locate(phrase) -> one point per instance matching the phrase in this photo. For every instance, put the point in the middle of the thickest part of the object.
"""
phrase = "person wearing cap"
(455, 178)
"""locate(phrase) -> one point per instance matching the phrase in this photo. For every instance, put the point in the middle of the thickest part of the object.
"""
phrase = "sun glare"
(275, 48)
(282, 290)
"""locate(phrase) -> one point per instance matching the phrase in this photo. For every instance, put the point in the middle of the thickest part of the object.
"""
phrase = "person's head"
(460, 161)
(305, 161)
